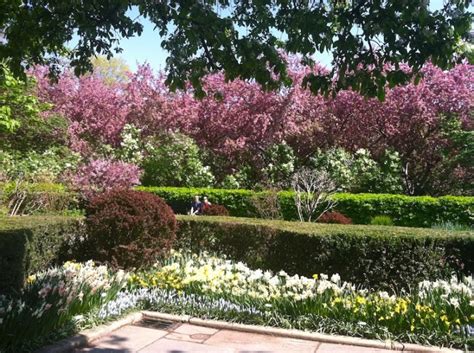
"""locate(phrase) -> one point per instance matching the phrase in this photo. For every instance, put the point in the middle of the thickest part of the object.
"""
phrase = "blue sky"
(147, 48)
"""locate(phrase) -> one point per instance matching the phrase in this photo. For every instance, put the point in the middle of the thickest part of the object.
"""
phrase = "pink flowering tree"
(96, 111)
(411, 121)
(237, 122)
(102, 175)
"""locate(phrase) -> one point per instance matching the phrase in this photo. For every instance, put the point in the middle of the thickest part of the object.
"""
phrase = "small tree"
(313, 190)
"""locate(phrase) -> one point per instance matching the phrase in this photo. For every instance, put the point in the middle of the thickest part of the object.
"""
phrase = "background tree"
(111, 71)
(242, 37)
(18, 104)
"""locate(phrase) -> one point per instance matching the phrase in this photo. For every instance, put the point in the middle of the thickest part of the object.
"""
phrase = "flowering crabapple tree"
(103, 175)
(236, 124)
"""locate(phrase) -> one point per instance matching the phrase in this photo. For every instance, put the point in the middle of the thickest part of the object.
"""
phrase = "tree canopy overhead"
(243, 38)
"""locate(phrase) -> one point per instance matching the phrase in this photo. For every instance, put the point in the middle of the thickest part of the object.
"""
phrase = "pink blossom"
(102, 175)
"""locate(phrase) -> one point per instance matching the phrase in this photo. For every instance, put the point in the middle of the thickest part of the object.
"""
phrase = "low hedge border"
(373, 256)
(30, 244)
(410, 211)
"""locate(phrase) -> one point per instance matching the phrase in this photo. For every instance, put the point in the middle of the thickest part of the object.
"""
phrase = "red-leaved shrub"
(334, 217)
(215, 210)
(128, 229)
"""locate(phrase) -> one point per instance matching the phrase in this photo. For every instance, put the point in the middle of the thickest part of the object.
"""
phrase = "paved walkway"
(185, 338)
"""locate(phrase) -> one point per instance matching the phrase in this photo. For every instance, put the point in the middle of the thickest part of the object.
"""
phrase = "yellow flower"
(315, 276)
(401, 307)
(336, 300)
(31, 279)
(361, 300)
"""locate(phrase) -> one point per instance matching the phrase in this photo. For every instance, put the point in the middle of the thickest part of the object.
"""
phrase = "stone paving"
(186, 338)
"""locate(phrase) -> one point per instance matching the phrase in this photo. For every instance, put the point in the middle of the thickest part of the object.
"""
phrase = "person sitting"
(206, 204)
(196, 206)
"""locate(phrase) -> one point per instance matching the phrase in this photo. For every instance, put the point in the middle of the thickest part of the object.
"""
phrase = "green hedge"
(374, 256)
(30, 244)
(41, 198)
(411, 211)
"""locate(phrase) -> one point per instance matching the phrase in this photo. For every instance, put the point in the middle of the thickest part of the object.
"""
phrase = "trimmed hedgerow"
(236, 201)
(39, 198)
(379, 257)
(411, 211)
(31, 244)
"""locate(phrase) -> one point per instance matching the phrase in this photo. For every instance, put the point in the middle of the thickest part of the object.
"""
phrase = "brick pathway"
(185, 338)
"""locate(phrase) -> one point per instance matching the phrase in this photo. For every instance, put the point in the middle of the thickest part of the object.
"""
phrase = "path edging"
(86, 337)
(297, 334)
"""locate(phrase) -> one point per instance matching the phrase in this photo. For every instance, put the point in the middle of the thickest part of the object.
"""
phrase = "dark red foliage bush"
(128, 229)
(334, 217)
(215, 210)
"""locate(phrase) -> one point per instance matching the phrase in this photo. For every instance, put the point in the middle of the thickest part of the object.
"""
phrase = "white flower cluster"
(220, 276)
(58, 287)
(454, 285)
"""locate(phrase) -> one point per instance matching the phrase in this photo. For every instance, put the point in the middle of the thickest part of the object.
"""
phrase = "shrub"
(175, 160)
(381, 221)
(31, 244)
(215, 210)
(128, 228)
(410, 211)
(267, 204)
(335, 218)
(379, 257)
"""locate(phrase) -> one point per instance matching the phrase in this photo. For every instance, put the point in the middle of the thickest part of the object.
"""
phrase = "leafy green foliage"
(381, 221)
(452, 226)
(175, 160)
(31, 244)
(37, 167)
(412, 211)
(359, 172)
(112, 71)
(374, 256)
(201, 37)
(280, 164)
(37, 198)
(16, 100)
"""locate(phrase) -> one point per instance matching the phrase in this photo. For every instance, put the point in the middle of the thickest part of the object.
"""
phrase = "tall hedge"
(411, 211)
(373, 256)
(31, 244)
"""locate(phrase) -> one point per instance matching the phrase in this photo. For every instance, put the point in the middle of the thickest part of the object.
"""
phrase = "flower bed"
(440, 312)
(79, 295)
(54, 303)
